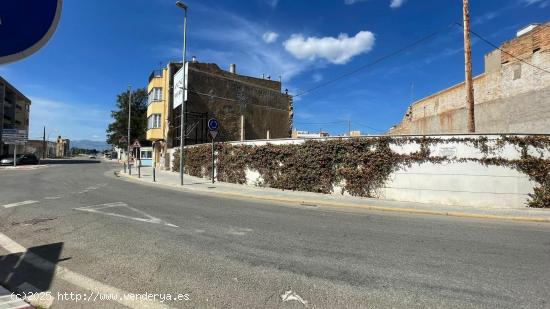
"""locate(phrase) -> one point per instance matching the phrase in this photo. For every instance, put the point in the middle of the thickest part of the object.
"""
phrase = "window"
(146, 154)
(155, 95)
(153, 122)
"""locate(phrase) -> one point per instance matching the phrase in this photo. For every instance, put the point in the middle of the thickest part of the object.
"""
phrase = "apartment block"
(14, 113)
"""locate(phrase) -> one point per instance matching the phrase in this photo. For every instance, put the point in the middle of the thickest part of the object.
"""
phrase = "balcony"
(154, 134)
(155, 74)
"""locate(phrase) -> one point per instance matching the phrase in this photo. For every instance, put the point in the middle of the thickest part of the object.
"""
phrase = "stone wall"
(510, 97)
(227, 96)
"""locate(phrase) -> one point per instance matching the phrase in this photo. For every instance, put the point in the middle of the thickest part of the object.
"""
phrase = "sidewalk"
(200, 185)
(9, 301)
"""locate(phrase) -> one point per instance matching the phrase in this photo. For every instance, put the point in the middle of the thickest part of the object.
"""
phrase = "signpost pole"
(14, 154)
(213, 164)
(213, 126)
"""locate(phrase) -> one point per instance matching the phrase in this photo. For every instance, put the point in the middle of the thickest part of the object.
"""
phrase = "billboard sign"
(26, 26)
(179, 94)
(14, 136)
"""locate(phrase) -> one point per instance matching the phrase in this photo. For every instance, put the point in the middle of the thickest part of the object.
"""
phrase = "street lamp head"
(181, 5)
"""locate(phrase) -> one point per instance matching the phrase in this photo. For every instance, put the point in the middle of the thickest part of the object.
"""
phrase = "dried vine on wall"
(359, 166)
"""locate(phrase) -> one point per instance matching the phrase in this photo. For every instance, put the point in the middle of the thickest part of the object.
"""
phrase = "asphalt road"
(247, 254)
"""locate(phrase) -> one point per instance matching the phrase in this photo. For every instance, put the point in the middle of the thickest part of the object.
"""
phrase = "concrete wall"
(449, 183)
(510, 97)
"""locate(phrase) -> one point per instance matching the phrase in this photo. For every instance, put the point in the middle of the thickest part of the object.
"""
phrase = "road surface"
(107, 233)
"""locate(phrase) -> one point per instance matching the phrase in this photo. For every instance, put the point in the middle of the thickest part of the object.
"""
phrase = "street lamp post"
(129, 123)
(183, 6)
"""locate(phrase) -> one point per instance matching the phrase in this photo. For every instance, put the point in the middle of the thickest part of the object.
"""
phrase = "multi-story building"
(14, 113)
(511, 96)
(246, 107)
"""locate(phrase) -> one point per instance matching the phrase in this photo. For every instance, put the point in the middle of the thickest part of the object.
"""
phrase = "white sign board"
(179, 94)
(14, 136)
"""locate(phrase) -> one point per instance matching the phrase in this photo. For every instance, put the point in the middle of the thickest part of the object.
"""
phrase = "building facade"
(511, 96)
(63, 147)
(247, 108)
(14, 113)
(42, 149)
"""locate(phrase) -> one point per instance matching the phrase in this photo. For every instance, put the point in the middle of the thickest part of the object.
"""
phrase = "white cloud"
(317, 77)
(270, 37)
(540, 3)
(234, 39)
(273, 3)
(336, 50)
(396, 3)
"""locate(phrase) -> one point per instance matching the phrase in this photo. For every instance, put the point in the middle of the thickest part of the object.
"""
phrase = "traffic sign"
(213, 133)
(136, 144)
(122, 139)
(213, 124)
(27, 25)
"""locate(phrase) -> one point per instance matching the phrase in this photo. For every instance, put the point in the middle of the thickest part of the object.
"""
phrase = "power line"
(387, 56)
(498, 47)
(368, 127)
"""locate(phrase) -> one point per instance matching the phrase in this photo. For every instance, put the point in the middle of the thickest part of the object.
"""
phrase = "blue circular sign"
(27, 25)
(213, 124)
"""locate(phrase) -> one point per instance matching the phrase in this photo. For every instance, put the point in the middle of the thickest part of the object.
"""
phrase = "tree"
(119, 127)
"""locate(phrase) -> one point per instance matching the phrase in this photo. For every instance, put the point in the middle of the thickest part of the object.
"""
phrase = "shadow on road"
(32, 271)
(68, 161)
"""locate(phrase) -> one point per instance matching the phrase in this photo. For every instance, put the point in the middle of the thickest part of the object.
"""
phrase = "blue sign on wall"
(26, 26)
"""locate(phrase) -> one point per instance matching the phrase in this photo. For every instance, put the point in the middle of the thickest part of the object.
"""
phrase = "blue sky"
(102, 46)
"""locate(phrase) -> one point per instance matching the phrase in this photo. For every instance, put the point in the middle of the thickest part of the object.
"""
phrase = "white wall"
(450, 183)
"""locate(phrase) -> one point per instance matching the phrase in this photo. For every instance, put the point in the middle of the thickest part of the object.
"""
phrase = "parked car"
(21, 159)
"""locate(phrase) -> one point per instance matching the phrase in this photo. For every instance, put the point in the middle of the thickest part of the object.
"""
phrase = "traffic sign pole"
(213, 126)
(213, 164)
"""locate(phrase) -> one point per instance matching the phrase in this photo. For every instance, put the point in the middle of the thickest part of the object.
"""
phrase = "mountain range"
(89, 144)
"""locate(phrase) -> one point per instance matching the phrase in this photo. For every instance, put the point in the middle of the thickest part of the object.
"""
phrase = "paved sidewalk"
(9, 301)
(200, 185)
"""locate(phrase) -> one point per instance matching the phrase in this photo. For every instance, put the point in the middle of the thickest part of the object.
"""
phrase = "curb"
(337, 204)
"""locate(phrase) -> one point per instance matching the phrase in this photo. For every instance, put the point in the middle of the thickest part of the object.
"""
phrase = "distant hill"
(88, 144)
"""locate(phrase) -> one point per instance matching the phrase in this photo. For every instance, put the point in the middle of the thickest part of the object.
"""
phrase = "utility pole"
(468, 84)
(129, 121)
(44, 143)
(349, 127)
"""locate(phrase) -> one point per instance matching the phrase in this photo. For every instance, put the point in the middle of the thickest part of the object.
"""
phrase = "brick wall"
(227, 96)
(500, 93)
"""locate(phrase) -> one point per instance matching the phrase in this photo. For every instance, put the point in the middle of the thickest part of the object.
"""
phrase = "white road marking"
(99, 209)
(239, 231)
(78, 279)
(289, 295)
(52, 197)
(19, 204)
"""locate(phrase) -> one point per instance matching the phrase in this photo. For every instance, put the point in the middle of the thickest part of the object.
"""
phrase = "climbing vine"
(361, 166)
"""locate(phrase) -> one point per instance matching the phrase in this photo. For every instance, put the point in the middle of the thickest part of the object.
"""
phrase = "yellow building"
(158, 112)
